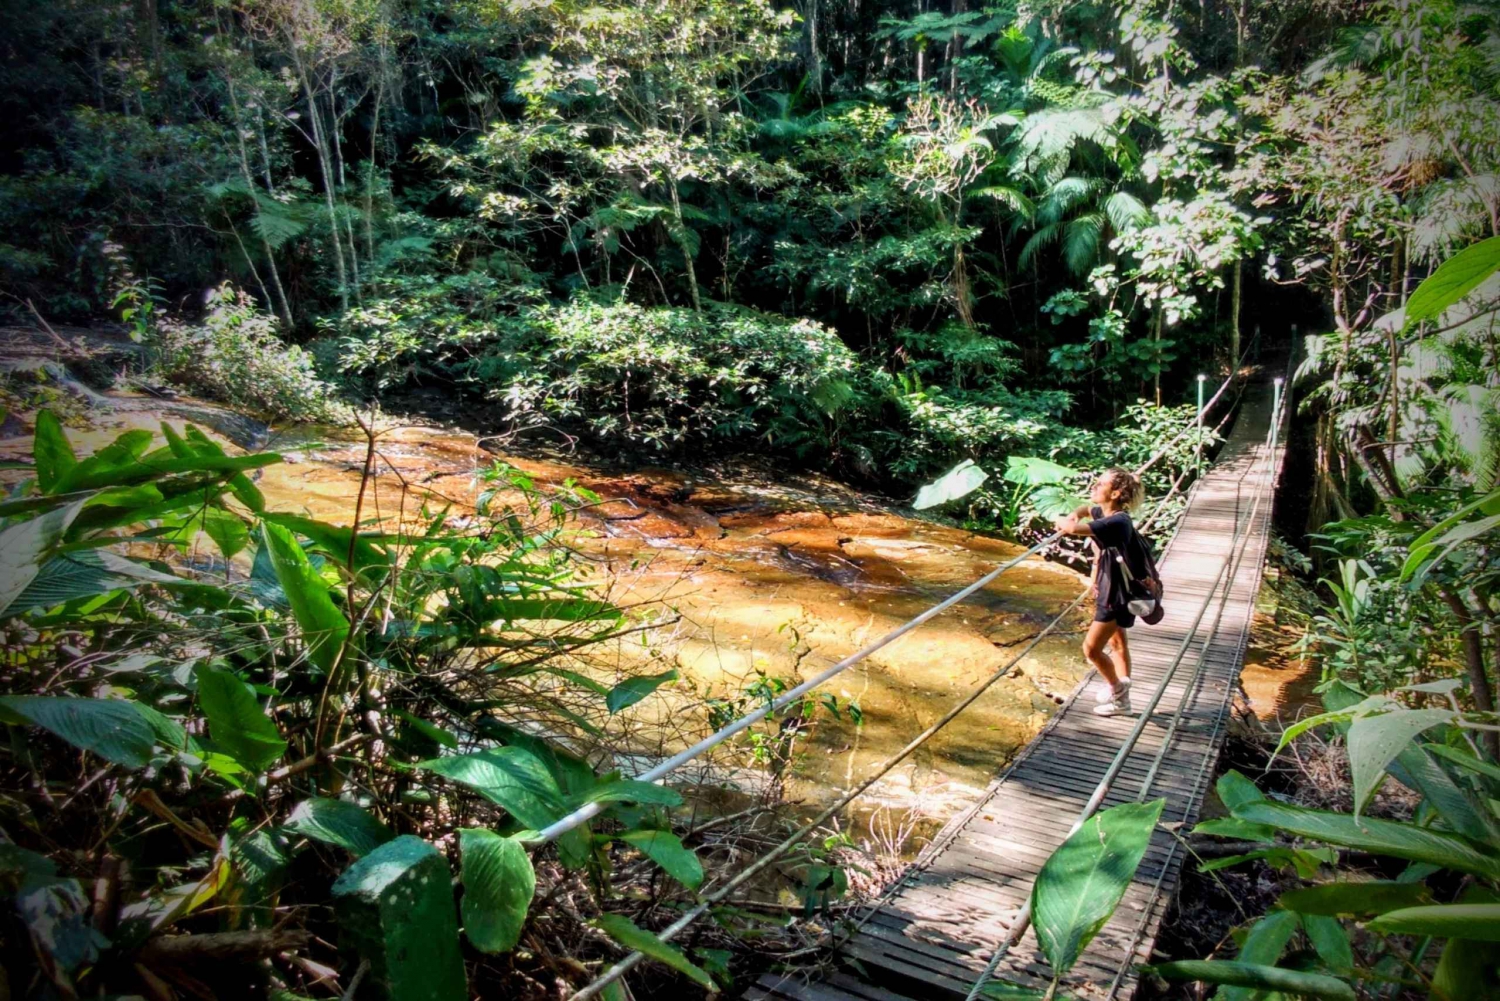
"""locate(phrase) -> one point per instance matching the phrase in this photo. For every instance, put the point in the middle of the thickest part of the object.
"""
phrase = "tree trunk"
(814, 57)
(1157, 337)
(1479, 682)
(279, 302)
(325, 168)
(1236, 279)
(679, 233)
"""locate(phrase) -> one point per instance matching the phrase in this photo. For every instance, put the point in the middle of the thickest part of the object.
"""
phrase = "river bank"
(745, 577)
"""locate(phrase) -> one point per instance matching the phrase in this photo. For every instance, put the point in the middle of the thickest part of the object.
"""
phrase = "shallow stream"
(779, 575)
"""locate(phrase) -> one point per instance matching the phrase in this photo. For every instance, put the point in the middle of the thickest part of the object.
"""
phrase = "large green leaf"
(1359, 899)
(1374, 741)
(1032, 471)
(1455, 278)
(1236, 790)
(1382, 837)
(498, 886)
(509, 776)
(1263, 946)
(226, 530)
(1479, 922)
(236, 721)
(1464, 758)
(1255, 977)
(624, 931)
(23, 548)
(50, 448)
(630, 691)
(960, 481)
(667, 851)
(84, 573)
(1229, 827)
(1461, 811)
(324, 628)
(200, 444)
(123, 469)
(1422, 547)
(110, 728)
(338, 822)
(1081, 883)
(334, 541)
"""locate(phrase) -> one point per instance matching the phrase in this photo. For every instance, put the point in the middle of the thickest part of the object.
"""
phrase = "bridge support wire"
(584, 813)
(1236, 552)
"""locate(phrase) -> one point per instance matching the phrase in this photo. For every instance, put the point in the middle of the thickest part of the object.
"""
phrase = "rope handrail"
(1161, 453)
(672, 930)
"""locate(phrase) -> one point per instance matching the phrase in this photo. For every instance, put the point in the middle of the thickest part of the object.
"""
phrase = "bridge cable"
(656, 774)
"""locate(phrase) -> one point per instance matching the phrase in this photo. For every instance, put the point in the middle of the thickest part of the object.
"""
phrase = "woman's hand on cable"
(1070, 525)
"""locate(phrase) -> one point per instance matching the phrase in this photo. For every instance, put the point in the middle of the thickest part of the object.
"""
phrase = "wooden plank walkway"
(935, 929)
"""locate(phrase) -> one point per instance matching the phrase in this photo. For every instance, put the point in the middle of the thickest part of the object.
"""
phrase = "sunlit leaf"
(1081, 883)
(1455, 278)
(630, 691)
(960, 481)
(667, 851)
(338, 822)
(236, 722)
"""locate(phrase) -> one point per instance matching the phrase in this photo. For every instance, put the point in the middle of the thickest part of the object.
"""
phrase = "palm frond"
(1081, 242)
(1044, 237)
(1126, 211)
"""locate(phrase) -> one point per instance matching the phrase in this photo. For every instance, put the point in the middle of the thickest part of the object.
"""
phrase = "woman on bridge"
(1107, 522)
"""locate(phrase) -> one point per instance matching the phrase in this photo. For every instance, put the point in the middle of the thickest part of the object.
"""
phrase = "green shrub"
(235, 357)
(666, 376)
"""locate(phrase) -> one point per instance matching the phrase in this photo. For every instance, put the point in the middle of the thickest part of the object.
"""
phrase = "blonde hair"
(1124, 486)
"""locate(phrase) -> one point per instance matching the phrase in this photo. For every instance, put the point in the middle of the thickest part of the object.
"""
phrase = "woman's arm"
(1076, 523)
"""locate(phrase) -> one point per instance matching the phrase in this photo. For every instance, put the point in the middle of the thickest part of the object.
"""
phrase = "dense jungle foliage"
(876, 237)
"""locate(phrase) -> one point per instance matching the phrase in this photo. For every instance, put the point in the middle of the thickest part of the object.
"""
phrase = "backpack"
(1143, 602)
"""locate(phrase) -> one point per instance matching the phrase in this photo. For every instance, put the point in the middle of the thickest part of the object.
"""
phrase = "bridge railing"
(659, 772)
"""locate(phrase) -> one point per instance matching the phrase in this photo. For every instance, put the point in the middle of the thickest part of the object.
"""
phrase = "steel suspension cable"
(672, 930)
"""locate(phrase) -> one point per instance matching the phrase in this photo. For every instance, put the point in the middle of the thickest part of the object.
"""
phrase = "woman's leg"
(1095, 641)
(1119, 651)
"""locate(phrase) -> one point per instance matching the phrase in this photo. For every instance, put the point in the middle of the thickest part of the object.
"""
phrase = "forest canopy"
(958, 231)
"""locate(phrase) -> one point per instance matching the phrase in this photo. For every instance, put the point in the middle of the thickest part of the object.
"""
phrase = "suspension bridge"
(958, 918)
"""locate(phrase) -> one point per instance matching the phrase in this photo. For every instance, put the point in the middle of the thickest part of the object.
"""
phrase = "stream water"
(757, 573)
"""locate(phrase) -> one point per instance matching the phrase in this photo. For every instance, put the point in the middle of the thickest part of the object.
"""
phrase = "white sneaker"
(1103, 693)
(1118, 705)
